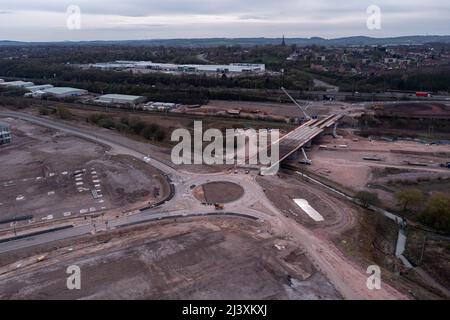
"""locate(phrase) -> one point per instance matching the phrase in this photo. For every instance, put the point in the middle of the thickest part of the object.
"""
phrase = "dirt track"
(203, 259)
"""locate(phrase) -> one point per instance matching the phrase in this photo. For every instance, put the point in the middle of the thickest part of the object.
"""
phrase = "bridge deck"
(300, 136)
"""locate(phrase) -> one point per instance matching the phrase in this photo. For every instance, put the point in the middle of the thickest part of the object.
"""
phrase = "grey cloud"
(326, 18)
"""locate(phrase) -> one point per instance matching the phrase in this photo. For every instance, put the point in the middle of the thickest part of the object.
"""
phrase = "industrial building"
(169, 67)
(5, 133)
(17, 84)
(39, 87)
(120, 99)
(160, 106)
(64, 92)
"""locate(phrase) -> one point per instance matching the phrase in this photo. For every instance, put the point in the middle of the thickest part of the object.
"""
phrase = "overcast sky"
(46, 20)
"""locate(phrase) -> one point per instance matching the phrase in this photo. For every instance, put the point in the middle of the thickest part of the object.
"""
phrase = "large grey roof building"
(64, 92)
(17, 84)
(120, 99)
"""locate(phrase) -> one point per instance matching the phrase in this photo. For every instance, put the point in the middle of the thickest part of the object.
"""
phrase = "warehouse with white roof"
(64, 92)
(39, 87)
(17, 84)
(120, 99)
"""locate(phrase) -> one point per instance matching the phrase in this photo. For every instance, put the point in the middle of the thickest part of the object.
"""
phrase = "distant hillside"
(347, 41)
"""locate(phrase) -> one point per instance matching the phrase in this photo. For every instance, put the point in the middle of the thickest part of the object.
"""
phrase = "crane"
(297, 104)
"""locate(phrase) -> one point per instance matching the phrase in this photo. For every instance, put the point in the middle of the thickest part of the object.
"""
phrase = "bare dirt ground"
(218, 192)
(422, 110)
(214, 258)
(268, 109)
(50, 175)
(431, 253)
(364, 237)
(338, 216)
(341, 160)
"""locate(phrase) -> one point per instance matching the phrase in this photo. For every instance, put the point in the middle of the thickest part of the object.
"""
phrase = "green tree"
(160, 135)
(409, 198)
(63, 113)
(437, 212)
(107, 123)
(367, 198)
(136, 125)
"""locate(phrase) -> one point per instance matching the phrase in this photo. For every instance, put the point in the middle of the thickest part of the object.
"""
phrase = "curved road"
(348, 278)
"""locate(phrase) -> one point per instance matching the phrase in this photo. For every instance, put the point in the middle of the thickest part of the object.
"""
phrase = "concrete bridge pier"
(332, 130)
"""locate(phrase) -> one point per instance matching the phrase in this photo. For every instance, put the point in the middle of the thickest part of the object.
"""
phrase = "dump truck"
(219, 206)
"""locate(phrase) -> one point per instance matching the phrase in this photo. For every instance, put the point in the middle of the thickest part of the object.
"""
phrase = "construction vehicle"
(416, 164)
(219, 206)
(445, 165)
(372, 158)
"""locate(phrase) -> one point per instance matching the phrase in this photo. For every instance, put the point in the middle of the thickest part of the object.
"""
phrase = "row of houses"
(186, 68)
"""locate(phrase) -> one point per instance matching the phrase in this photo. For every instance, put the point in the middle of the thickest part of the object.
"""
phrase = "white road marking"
(67, 214)
(50, 193)
(19, 198)
(310, 211)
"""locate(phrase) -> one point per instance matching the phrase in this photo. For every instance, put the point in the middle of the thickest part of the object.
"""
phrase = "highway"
(102, 226)
(348, 278)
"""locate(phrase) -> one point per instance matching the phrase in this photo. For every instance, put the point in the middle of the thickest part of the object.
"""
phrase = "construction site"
(48, 175)
(74, 193)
